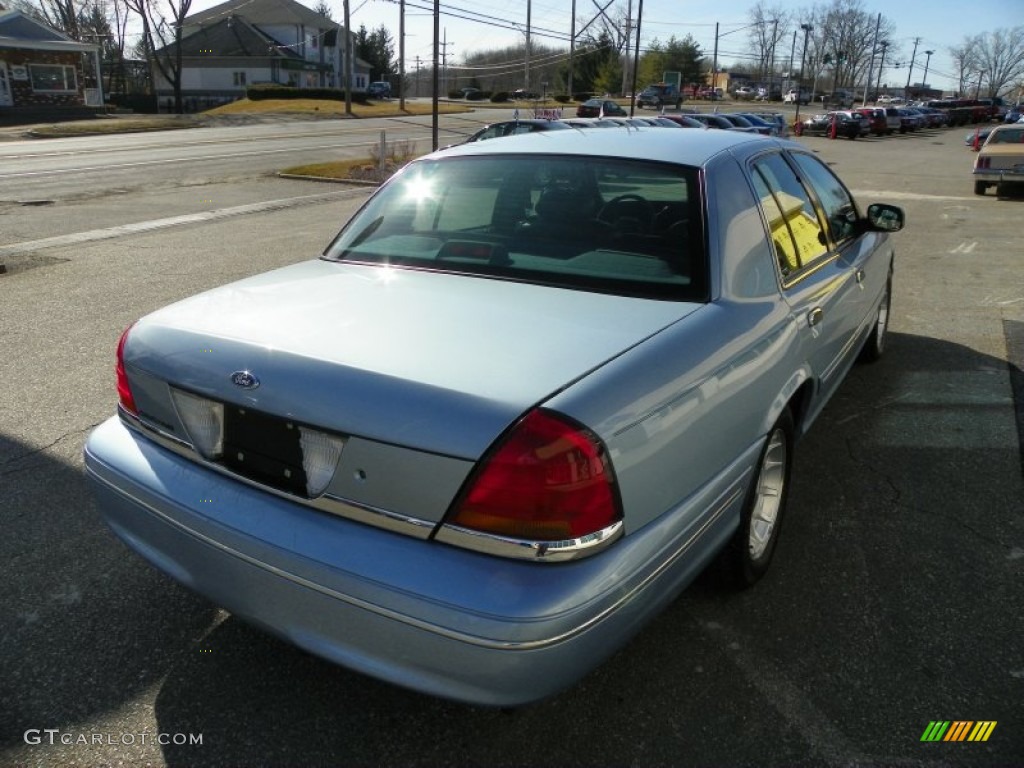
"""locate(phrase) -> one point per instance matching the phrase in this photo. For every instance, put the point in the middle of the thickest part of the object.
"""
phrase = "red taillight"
(124, 391)
(984, 162)
(548, 480)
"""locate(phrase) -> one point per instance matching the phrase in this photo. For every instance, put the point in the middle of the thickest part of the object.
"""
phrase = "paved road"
(895, 599)
(126, 165)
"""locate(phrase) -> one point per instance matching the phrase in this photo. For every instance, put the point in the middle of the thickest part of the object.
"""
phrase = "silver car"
(532, 388)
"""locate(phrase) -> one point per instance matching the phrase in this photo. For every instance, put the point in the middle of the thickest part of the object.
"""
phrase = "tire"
(753, 545)
(874, 347)
(980, 187)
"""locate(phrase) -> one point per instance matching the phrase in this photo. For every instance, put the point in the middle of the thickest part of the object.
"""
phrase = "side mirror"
(885, 218)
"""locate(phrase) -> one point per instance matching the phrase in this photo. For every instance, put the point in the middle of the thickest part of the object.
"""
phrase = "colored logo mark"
(958, 730)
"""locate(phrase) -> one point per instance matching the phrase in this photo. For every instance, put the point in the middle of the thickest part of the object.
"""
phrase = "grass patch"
(104, 126)
(340, 169)
(368, 169)
(330, 108)
(312, 108)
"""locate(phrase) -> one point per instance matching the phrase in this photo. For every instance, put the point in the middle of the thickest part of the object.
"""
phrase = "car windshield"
(602, 224)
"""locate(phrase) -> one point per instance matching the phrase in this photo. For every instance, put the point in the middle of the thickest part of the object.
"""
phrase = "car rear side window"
(837, 204)
(796, 230)
(604, 224)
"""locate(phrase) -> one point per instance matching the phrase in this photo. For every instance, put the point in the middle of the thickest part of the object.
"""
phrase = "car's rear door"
(819, 282)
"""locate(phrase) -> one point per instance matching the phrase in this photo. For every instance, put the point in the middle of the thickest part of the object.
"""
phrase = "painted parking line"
(60, 241)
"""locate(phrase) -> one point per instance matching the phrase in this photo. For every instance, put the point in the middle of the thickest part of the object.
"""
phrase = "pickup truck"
(659, 95)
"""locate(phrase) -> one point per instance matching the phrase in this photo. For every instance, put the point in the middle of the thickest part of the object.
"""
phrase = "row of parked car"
(766, 123)
(876, 121)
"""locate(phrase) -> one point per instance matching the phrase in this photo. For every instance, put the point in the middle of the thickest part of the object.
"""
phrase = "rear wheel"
(980, 187)
(753, 544)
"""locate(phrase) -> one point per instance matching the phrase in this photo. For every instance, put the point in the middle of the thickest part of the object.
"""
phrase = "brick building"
(41, 68)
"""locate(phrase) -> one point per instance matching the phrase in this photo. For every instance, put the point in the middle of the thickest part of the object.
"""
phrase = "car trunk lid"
(434, 362)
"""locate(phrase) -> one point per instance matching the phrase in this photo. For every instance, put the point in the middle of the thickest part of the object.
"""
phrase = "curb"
(329, 180)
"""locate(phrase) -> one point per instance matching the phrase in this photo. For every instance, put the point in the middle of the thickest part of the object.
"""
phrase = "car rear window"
(591, 223)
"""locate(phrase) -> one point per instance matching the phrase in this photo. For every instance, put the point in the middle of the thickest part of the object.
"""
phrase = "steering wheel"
(640, 207)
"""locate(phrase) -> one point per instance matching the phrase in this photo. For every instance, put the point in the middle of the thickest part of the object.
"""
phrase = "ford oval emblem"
(244, 379)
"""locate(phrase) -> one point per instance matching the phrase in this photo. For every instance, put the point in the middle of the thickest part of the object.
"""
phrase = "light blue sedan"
(527, 394)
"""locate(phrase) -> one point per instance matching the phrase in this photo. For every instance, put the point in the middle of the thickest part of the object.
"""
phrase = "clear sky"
(474, 25)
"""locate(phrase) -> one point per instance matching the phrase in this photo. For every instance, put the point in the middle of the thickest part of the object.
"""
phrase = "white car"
(794, 96)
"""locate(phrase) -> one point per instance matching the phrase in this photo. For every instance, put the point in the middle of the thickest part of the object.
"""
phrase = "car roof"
(639, 143)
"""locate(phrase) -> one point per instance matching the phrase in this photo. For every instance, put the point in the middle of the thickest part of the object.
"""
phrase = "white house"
(244, 42)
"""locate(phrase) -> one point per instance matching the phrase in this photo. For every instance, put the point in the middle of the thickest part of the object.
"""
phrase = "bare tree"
(62, 15)
(324, 9)
(999, 57)
(606, 23)
(161, 35)
(842, 46)
(769, 25)
(965, 62)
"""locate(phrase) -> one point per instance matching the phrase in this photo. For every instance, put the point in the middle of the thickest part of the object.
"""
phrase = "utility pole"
(401, 55)
(437, 36)
(714, 65)
(444, 61)
(871, 61)
(881, 65)
(636, 54)
(924, 80)
(910, 69)
(347, 68)
(526, 74)
(625, 59)
(771, 70)
(792, 56)
(807, 28)
(572, 46)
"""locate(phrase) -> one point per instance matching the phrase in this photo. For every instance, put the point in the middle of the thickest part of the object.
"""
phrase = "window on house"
(239, 78)
(53, 78)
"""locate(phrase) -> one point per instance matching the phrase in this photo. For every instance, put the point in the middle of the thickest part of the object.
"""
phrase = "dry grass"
(340, 169)
(396, 154)
(292, 108)
(103, 126)
(327, 107)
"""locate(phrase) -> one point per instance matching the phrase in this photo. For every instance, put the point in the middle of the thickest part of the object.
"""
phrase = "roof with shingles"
(232, 37)
(19, 30)
(262, 12)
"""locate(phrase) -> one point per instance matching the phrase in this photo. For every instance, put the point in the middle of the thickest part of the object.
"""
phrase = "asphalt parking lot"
(895, 599)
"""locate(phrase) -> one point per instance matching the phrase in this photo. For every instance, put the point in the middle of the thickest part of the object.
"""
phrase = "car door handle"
(859, 276)
(814, 316)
